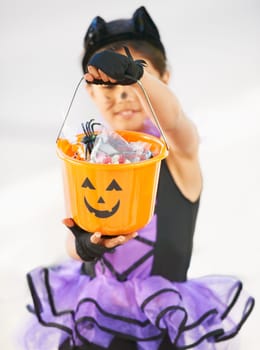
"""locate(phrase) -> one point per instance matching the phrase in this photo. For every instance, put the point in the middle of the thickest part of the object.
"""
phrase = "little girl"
(131, 291)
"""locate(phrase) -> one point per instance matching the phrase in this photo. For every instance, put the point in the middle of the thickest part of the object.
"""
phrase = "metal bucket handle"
(147, 100)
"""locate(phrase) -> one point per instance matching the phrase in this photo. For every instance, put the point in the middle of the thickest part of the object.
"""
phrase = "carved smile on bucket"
(102, 213)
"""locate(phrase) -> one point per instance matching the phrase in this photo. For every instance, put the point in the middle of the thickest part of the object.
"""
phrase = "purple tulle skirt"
(69, 304)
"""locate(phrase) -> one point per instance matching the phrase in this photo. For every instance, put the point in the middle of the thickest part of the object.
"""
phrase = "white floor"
(214, 52)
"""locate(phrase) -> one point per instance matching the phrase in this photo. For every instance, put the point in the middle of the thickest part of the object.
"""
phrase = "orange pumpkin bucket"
(112, 198)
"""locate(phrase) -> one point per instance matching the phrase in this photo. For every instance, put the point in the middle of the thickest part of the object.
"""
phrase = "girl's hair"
(139, 33)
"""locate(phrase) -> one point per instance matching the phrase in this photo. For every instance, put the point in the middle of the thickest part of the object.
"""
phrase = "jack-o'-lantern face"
(105, 213)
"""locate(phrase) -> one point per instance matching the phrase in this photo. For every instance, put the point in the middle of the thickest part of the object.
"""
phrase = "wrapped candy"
(111, 148)
(106, 147)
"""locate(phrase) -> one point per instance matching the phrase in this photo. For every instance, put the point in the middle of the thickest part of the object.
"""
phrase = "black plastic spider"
(90, 136)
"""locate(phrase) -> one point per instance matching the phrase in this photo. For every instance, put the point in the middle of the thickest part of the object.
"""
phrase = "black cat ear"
(144, 24)
(96, 30)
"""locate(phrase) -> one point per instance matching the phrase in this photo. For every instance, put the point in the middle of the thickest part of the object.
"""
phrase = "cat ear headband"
(101, 33)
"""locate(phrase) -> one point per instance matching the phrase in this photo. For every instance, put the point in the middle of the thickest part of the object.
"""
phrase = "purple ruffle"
(197, 312)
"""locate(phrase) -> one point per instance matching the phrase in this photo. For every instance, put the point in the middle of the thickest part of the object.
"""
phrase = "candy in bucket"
(106, 146)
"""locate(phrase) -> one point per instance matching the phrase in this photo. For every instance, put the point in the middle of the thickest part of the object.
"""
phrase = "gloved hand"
(90, 246)
(121, 68)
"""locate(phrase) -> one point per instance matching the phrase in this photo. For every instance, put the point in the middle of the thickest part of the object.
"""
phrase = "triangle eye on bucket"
(87, 183)
(114, 186)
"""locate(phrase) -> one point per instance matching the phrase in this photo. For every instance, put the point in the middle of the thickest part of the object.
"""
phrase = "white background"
(213, 49)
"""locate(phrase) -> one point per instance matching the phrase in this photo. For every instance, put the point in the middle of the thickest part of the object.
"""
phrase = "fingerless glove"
(119, 67)
(87, 250)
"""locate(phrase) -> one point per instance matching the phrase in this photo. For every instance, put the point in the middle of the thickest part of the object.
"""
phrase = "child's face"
(119, 105)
